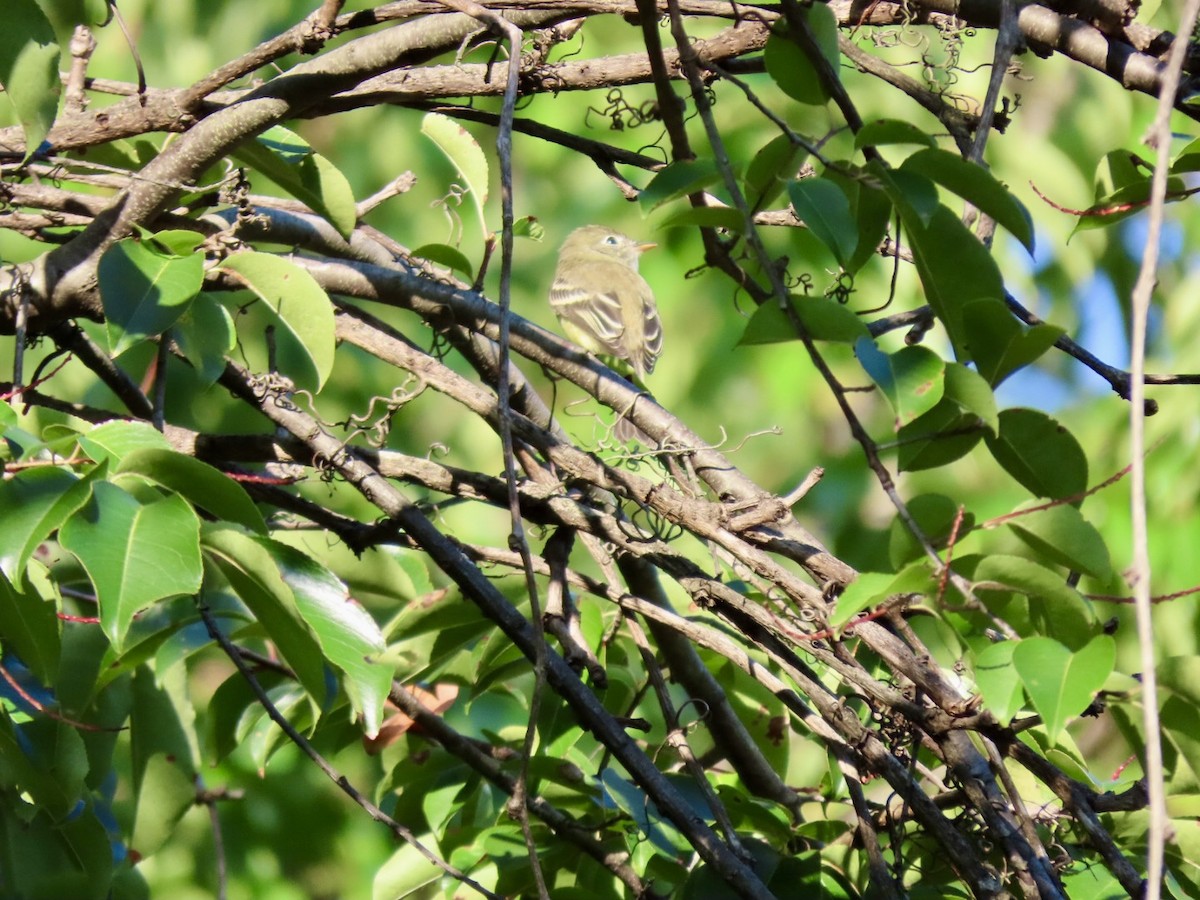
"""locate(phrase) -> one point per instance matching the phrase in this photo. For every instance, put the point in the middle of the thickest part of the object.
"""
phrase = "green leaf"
(911, 378)
(954, 267)
(951, 429)
(249, 563)
(999, 344)
(464, 154)
(288, 160)
(165, 795)
(199, 482)
(824, 320)
(206, 335)
(825, 209)
(1181, 674)
(872, 210)
(935, 514)
(144, 292)
(404, 873)
(678, 180)
(1040, 453)
(977, 186)
(445, 255)
(1181, 723)
(29, 628)
(45, 759)
(112, 441)
(1061, 683)
(882, 132)
(348, 636)
(178, 242)
(299, 306)
(529, 227)
(998, 681)
(29, 60)
(705, 217)
(870, 589)
(792, 69)
(632, 801)
(1056, 608)
(866, 590)
(912, 194)
(135, 554)
(33, 504)
(1187, 159)
(770, 171)
(1062, 535)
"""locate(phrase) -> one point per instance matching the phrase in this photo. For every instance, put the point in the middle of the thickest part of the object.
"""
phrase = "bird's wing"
(596, 314)
(652, 333)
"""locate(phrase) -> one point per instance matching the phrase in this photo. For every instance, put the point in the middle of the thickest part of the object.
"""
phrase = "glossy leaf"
(825, 209)
(1055, 608)
(206, 335)
(705, 217)
(112, 441)
(179, 242)
(29, 628)
(46, 759)
(144, 291)
(348, 636)
(870, 589)
(249, 563)
(50, 857)
(678, 180)
(165, 794)
(999, 344)
(199, 482)
(910, 378)
(300, 308)
(823, 319)
(33, 504)
(1062, 535)
(1061, 683)
(1040, 453)
(872, 213)
(289, 161)
(998, 680)
(771, 170)
(790, 66)
(977, 186)
(135, 554)
(464, 153)
(445, 255)
(953, 427)
(881, 132)
(29, 61)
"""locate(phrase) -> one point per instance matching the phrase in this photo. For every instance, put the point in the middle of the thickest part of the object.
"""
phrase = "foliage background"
(1067, 120)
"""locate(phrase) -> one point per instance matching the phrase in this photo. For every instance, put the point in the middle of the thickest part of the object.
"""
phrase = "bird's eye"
(611, 240)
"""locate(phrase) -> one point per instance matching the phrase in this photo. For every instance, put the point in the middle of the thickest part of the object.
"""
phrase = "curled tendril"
(378, 427)
(621, 114)
(842, 288)
(645, 525)
(449, 203)
(803, 281)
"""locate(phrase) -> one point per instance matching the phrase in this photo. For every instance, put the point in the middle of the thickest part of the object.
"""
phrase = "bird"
(604, 305)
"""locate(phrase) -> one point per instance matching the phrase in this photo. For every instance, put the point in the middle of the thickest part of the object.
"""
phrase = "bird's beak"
(642, 248)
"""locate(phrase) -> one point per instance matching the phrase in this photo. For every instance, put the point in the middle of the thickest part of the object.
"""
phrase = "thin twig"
(1140, 574)
(336, 777)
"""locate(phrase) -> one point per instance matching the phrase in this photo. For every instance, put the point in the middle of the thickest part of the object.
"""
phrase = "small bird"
(604, 305)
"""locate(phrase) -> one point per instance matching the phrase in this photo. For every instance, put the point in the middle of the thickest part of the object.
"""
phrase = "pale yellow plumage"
(604, 305)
